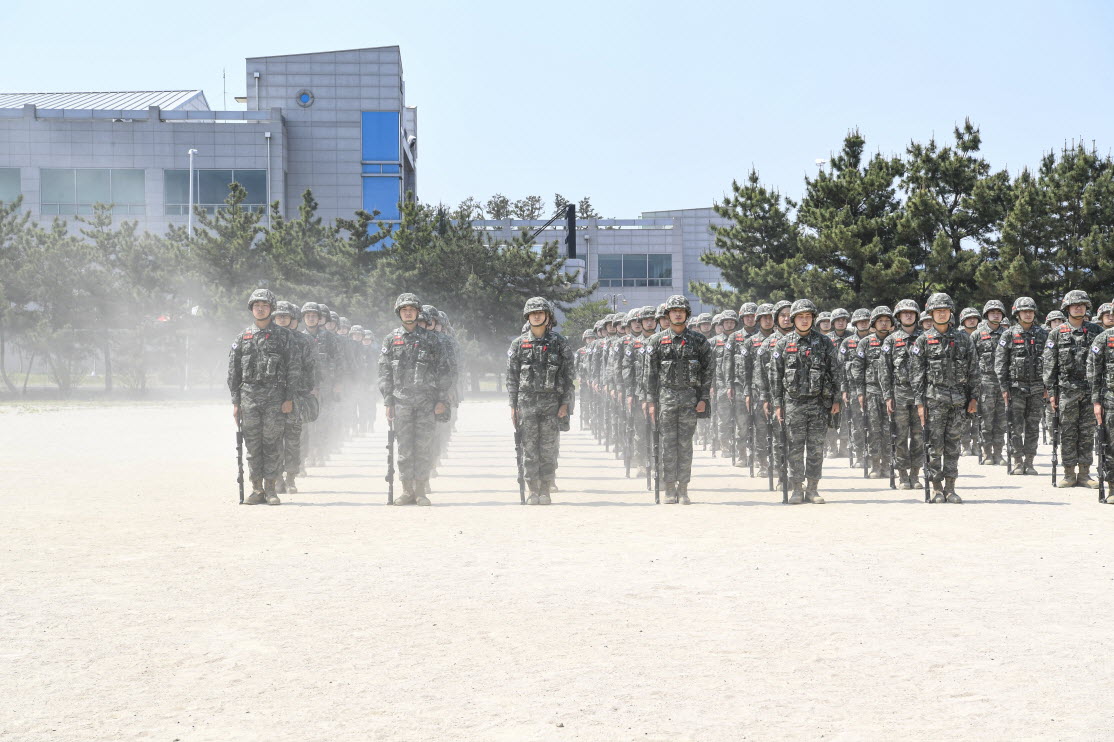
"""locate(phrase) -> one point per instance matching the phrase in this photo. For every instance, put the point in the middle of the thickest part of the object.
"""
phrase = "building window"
(380, 136)
(653, 270)
(382, 194)
(210, 189)
(69, 191)
(9, 184)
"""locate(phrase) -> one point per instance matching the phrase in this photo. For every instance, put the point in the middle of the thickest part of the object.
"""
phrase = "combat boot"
(1018, 467)
(421, 489)
(763, 471)
(987, 457)
(949, 491)
(937, 487)
(532, 498)
(683, 493)
(1084, 478)
(670, 493)
(407, 493)
(876, 469)
(269, 492)
(998, 459)
(280, 486)
(811, 493)
(914, 483)
(903, 479)
(1029, 468)
(1068, 480)
(543, 494)
(552, 483)
(796, 497)
(256, 497)
(290, 486)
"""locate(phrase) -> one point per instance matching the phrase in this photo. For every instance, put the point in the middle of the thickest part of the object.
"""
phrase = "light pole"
(614, 299)
(189, 222)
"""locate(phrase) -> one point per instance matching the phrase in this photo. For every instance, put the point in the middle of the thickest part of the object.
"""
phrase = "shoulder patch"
(1095, 349)
(886, 348)
(1050, 344)
(843, 351)
(235, 346)
(916, 350)
(1002, 342)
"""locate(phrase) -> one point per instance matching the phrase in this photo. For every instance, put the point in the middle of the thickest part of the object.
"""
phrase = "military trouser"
(263, 422)
(806, 424)
(413, 422)
(853, 418)
(676, 427)
(910, 443)
(743, 442)
(1077, 429)
(537, 422)
(946, 423)
(878, 429)
(1107, 468)
(992, 416)
(638, 456)
(1025, 411)
(724, 418)
(292, 446)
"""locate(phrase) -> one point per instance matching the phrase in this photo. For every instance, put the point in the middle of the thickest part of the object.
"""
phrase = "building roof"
(193, 100)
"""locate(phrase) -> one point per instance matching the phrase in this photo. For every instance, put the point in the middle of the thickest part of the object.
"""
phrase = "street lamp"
(614, 299)
(189, 222)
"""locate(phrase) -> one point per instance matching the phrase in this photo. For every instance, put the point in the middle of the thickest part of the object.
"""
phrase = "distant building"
(335, 123)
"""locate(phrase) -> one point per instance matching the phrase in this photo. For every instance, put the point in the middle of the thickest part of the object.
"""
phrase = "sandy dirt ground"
(139, 601)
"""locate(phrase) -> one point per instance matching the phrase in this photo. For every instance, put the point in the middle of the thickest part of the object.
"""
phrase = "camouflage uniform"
(865, 378)
(896, 387)
(1017, 363)
(1065, 376)
(328, 366)
(753, 434)
(295, 421)
(992, 408)
(944, 371)
(723, 409)
(803, 385)
(760, 374)
(848, 352)
(539, 381)
(264, 372)
(678, 378)
(1100, 376)
(415, 374)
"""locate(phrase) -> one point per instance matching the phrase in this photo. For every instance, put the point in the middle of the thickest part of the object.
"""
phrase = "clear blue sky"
(642, 106)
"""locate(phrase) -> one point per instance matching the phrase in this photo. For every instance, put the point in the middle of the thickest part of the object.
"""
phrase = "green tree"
(15, 228)
(581, 317)
(1025, 264)
(757, 250)
(499, 207)
(531, 207)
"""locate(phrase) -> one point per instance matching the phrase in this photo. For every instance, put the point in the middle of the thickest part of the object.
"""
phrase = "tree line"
(870, 230)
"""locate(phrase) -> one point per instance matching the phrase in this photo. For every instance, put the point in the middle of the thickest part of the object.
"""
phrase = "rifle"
(1100, 433)
(656, 438)
(751, 434)
(733, 439)
(1009, 433)
(650, 437)
(714, 423)
(628, 447)
(769, 448)
(893, 450)
(924, 432)
(518, 459)
(851, 441)
(1056, 418)
(606, 420)
(390, 461)
(240, 457)
(978, 429)
(865, 453)
(784, 468)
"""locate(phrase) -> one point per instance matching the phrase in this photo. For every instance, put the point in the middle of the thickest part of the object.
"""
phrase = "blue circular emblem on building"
(304, 98)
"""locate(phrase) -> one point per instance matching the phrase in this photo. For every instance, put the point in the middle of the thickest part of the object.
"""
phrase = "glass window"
(210, 189)
(660, 266)
(127, 187)
(634, 266)
(212, 186)
(255, 182)
(94, 187)
(372, 169)
(636, 270)
(391, 169)
(382, 195)
(380, 136)
(611, 266)
(9, 184)
(176, 185)
(58, 187)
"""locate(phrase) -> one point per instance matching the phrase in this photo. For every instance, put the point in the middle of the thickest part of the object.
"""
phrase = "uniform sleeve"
(973, 376)
(856, 370)
(566, 387)
(1096, 368)
(651, 376)
(446, 371)
(511, 379)
(884, 368)
(1002, 360)
(234, 372)
(777, 374)
(293, 380)
(1048, 361)
(386, 378)
(916, 369)
(707, 371)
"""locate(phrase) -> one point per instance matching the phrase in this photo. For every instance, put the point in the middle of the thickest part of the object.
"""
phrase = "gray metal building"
(335, 123)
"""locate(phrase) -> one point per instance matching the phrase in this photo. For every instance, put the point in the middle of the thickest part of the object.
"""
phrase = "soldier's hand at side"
(920, 414)
(236, 414)
(287, 407)
(748, 403)
(390, 412)
(439, 408)
(972, 407)
(731, 394)
(766, 409)
(889, 407)
(653, 409)
(1098, 413)
(563, 411)
(1052, 401)
(835, 408)
(777, 414)
(701, 406)
(861, 400)
(1006, 397)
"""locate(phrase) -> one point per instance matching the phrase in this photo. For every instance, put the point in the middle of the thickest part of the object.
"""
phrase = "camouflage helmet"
(1104, 309)
(748, 308)
(925, 315)
(881, 311)
(764, 309)
(803, 306)
(311, 306)
(1076, 296)
(443, 316)
(323, 310)
(824, 316)
(334, 317)
(968, 313)
(356, 330)
(994, 304)
(729, 314)
(598, 326)
(907, 305)
(939, 300)
(587, 334)
(840, 313)
(429, 311)
(344, 322)
(1022, 303)
(535, 304)
(717, 318)
(1055, 314)
(661, 311)
(783, 304)
(634, 314)
(647, 313)
(704, 317)
(678, 301)
(285, 307)
(407, 300)
(862, 313)
(262, 295)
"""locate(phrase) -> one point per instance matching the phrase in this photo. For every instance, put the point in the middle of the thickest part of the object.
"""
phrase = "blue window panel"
(383, 195)
(376, 169)
(391, 169)
(380, 136)
(9, 184)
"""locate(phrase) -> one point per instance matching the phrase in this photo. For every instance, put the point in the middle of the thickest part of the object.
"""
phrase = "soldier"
(703, 325)
(287, 315)
(992, 410)
(866, 380)
(723, 394)
(1065, 376)
(849, 351)
(1104, 317)
(540, 386)
(803, 389)
(897, 390)
(1053, 320)
(1017, 363)
(824, 324)
(945, 376)
(746, 394)
(327, 367)
(748, 318)
(760, 374)
(263, 377)
(634, 371)
(662, 316)
(678, 383)
(926, 321)
(840, 319)
(1100, 376)
(415, 376)
(969, 320)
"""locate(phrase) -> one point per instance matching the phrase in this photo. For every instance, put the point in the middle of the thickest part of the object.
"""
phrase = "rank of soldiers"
(900, 393)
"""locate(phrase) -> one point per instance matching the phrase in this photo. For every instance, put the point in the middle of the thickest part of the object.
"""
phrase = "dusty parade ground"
(141, 602)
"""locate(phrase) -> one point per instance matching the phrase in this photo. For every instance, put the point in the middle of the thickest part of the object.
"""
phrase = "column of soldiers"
(899, 392)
